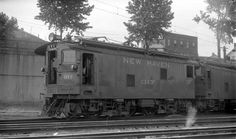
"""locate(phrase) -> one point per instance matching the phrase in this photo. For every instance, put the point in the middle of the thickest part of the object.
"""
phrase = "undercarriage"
(55, 107)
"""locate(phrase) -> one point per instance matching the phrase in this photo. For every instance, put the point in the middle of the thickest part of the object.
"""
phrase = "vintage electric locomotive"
(87, 77)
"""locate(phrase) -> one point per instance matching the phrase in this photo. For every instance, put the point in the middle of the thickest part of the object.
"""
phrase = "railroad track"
(186, 133)
(29, 126)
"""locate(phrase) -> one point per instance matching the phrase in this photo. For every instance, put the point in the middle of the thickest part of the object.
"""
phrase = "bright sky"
(108, 16)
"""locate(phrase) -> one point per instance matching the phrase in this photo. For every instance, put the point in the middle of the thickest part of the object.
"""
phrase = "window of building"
(194, 44)
(130, 80)
(175, 43)
(163, 74)
(187, 44)
(168, 42)
(181, 43)
(189, 71)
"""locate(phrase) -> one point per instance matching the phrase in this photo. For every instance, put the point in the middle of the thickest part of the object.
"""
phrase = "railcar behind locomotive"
(89, 77)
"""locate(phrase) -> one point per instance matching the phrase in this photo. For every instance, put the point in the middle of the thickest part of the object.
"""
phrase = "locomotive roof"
(114, 46)
(217, 62)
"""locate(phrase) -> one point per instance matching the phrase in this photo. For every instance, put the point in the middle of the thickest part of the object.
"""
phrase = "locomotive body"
(90, 77)
(215, 84)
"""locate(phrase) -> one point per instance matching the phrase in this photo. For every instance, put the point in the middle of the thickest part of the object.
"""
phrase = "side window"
(226, 87)
(68, 57)
(130, 80)
(189, 71)
(163, 74)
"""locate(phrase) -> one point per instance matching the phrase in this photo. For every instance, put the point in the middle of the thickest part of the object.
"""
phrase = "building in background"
(178, 44)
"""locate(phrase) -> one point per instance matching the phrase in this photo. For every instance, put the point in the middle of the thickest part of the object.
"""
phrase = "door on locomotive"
(51, 67)
(88, 73)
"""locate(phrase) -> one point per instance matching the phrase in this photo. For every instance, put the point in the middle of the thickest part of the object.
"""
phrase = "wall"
(21, 81)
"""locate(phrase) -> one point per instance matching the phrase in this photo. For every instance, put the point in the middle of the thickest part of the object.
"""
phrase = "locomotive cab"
(69, 68)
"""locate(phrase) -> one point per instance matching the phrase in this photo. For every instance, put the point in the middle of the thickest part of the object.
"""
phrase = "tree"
(232, 14)
(7, 26)
(65, 14)
(217, 19)
(148, 21)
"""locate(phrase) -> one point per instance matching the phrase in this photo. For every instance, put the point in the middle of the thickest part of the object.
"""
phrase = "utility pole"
(224, 52)
(232, 15)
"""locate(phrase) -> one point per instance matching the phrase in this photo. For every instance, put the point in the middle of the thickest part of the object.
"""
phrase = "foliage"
(148, 20)
(65, 14)
(217, 19)
(7, 26)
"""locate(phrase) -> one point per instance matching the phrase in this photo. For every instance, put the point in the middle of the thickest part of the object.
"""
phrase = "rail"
(28, 126)
(209, 132)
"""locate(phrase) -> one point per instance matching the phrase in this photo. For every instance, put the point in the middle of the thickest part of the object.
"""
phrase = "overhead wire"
(124, 16)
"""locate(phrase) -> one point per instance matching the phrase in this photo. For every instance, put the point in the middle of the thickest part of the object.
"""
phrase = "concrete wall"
(21, 80)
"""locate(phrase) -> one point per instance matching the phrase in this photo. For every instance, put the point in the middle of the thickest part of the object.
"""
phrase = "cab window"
(68, 56)
(189, 71)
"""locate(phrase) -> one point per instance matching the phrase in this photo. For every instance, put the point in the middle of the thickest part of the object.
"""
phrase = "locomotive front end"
(66, 70)
(62, 69)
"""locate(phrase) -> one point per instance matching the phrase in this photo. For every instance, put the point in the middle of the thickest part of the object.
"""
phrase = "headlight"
(74, 67)
(43, 69)
(52, 37)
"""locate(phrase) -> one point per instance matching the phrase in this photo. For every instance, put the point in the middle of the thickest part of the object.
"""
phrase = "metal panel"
(146, 69)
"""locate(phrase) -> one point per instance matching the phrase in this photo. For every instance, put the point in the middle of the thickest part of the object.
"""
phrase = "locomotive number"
(147, 82)
(67, 76)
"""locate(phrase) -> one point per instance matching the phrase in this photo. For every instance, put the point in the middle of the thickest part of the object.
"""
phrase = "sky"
(108, 16)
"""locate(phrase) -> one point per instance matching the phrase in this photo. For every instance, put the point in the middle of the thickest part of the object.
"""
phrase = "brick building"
(177, 43)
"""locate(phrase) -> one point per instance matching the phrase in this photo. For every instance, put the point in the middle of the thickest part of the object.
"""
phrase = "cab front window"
(68, 57)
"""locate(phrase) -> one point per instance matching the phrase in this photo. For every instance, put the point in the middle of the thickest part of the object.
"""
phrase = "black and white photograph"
(118, 69)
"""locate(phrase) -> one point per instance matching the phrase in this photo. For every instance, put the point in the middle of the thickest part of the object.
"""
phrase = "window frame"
(130, 80)
(63, 57)
(165, 75)
(187, 71)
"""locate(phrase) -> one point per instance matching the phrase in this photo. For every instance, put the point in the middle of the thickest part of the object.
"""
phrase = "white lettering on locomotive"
(136, 61)
(131, 60)
(67, 76)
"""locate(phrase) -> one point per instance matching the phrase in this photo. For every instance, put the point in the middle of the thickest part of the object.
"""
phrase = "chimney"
(224, 52)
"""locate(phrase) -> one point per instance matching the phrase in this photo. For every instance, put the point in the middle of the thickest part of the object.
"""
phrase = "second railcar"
(215, 85)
